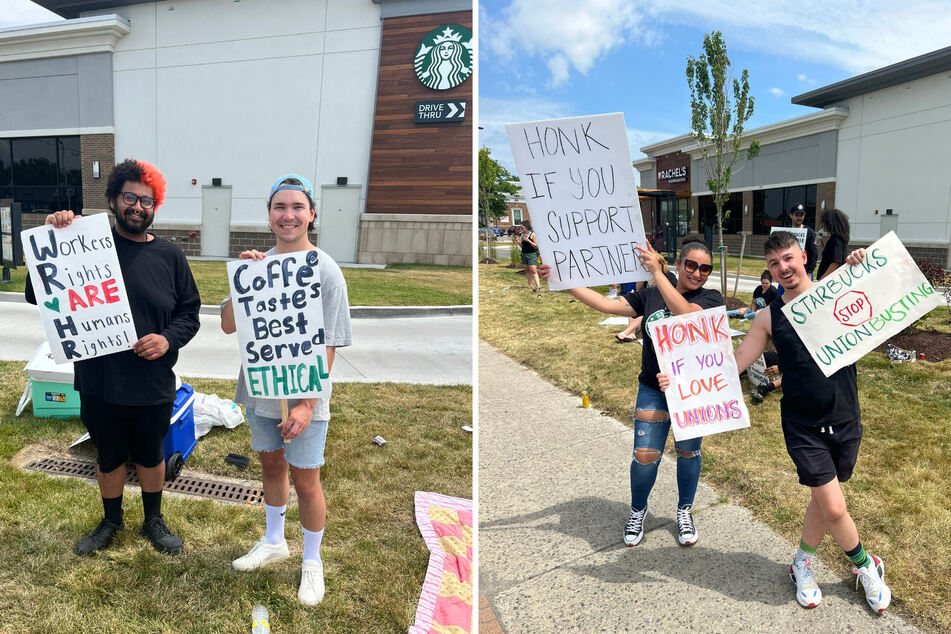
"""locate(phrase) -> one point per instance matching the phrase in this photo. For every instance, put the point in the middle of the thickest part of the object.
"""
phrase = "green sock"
(858, 556)
(806, 548)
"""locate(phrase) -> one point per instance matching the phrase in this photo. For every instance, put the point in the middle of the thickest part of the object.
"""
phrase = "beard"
(130, 227)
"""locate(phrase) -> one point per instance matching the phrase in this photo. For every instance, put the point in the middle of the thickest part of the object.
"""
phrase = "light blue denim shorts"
(304, 452)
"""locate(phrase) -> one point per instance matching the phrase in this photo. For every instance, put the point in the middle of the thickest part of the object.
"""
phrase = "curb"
(356, 312)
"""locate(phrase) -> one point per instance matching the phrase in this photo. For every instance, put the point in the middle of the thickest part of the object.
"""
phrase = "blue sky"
(541, 59)
(19, 12)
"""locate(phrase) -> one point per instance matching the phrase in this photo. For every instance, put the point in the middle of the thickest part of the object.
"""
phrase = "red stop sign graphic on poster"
(853, 309)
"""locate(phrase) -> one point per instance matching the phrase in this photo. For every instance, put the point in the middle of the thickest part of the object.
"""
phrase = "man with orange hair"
(127, 398)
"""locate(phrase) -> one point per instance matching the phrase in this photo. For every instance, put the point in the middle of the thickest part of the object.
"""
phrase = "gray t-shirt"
(333, 294)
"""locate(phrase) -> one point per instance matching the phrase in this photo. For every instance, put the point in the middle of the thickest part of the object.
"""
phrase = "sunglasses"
(691, 265)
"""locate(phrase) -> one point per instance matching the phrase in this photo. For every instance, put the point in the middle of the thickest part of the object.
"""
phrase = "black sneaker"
(761, 392)
(164, 540)
(99, 538)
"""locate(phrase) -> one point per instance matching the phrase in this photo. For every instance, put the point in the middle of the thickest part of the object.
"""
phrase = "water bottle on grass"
(259, 622)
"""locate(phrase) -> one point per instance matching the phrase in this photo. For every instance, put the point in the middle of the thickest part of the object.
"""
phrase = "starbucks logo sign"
(444, 58)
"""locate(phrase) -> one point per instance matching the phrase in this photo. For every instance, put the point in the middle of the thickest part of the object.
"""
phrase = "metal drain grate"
(214, 489)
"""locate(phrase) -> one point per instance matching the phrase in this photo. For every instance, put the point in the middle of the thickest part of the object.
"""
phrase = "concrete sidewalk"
(554, 496)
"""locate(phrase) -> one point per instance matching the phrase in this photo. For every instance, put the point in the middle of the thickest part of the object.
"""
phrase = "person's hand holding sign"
(298, 419)
(663, 381)
(60, 219)
(252, 255)
(652, 261)
(855, 257)
(544, 271)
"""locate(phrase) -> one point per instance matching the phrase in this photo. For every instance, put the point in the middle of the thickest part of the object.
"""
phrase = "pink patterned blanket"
(445, 604)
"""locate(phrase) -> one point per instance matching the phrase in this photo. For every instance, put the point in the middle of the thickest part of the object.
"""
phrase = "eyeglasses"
(130, 199)
(691, 265)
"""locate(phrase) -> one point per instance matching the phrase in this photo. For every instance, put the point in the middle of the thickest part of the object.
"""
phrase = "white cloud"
(802, 77)
(854, 35)
(23, 12)
(776, 92)
(567, 34)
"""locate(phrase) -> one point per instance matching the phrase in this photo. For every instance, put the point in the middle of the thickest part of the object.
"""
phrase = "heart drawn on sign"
(53, 305)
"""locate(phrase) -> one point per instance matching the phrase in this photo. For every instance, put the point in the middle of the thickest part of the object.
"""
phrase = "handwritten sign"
(79, 289)
(578, 183)
(757, 372)
(705, 395)
(280, 322)
(849, 313)
(800, 234)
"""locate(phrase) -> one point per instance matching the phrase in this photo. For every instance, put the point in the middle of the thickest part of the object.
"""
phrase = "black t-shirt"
(164, 300)
(768, 296)
(526, 247)
(812, 250)
(650, 303)
(809, 398)
(835, 250)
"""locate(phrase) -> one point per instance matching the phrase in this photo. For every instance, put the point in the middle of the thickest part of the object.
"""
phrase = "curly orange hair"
(152, 177)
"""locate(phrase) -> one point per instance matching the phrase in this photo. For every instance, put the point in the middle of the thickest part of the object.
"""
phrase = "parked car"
(497, 231)
(515, 230)
(485, 232)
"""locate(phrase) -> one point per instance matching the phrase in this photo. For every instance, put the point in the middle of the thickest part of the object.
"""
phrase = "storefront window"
(732, 221)
(771, 207)
(42, 173)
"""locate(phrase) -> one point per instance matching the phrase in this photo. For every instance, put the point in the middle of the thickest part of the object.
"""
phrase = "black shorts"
(123, 432)
(823, 453)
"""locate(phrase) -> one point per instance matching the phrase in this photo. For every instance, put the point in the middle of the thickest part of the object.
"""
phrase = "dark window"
(771, 207)
(43, 173)
(732, 213)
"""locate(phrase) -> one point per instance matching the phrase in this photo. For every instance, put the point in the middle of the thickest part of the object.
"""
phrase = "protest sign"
(705, 396)
(850, 312)
(799, 233)
(79, 288)
(757, 372)
(280, 323)
(578, 183)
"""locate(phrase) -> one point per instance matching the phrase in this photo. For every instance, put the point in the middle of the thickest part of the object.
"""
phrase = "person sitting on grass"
(772, 370)
(763, 295)
(651, 418)
(820, 421)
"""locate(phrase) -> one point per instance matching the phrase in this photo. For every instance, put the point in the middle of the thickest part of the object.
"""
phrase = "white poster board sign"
(280, 323)
(6, 234)
(800, 234)
(705, 395)
(856, 308)
(578, 182)
(79, 288)
(757, 372)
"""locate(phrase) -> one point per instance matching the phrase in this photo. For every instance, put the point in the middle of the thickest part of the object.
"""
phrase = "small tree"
(717, 122)
(495, 182)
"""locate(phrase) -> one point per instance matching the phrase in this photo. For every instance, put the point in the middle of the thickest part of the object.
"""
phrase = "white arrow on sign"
(452, 110)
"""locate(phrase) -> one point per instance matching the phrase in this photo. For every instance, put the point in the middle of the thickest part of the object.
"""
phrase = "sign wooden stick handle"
(284, 413)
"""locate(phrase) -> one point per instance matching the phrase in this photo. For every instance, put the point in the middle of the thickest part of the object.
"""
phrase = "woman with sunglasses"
(651, 419)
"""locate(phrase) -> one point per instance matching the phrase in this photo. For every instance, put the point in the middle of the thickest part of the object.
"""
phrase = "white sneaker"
(872, 576)
(261, 553)
(634, 529)
(808, 593)
(686, 531)
(311, 590)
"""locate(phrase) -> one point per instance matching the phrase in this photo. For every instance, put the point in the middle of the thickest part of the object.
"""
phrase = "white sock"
(274, 515)
(312, 543)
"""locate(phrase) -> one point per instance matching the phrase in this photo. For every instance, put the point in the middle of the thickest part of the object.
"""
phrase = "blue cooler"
(180, 440)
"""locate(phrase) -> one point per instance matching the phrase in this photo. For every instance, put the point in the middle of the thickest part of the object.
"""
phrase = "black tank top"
(526, 247)
(809, 398)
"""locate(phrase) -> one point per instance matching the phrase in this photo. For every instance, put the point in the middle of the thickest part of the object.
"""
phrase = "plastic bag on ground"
(211, 410)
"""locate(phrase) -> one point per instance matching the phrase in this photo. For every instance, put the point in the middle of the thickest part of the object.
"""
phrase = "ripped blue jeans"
(653, 435)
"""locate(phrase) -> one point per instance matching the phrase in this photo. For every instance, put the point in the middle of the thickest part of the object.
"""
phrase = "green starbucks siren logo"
(444, 58)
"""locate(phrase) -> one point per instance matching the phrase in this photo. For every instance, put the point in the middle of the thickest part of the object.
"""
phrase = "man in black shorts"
(820, 420)
(127, 397)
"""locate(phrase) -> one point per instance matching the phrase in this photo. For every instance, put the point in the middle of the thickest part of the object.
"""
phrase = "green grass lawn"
(374, 558)
(396, 285)
(899, 495)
